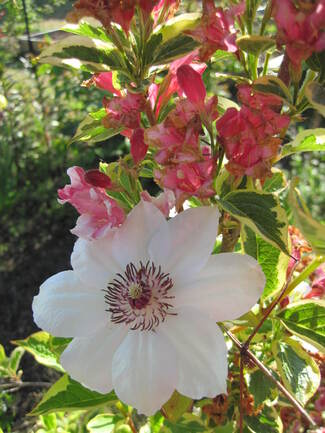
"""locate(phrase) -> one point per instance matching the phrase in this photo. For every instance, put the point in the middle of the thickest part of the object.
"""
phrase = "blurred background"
(40, 109)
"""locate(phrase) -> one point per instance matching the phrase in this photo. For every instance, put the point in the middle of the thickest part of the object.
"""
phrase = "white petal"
(201, 352)
(184, 245)
(131, 240)
(64, 307)
(93, 262)
(227, 287)
(89, 360)
(144, 371)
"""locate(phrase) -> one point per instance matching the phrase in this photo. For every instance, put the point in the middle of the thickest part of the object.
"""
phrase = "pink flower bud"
(138, 146)
(192, 84)
(98, 212)
(96, 178)
(104, 81)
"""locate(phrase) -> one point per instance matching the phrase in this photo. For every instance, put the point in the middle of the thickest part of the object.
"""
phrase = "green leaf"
(315, 93)
(222, 183)
(237, 78)
(312, 230)
(58, 345)
(176, 406)
(306, 319)
(67, 394)
(317, 63)
(273, 85)
(39, 345)
(151, 48)
(225, 103)
(309, 140)
(261, 387)
(84, 28)
(221, 55)
(299, 372)
(49, 421)
(92, 130)
(187, 424)
(255, 44)
(146, 168)
(3, 356)
(174, 48)
(272, 260)
(103, 423)
(15, 358)
(276, 182)
(266, 422)
(80, 52)
(261, 211)
(177, 25)
(156, 421)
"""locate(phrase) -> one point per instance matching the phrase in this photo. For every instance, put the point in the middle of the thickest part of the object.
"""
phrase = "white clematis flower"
(142, 305)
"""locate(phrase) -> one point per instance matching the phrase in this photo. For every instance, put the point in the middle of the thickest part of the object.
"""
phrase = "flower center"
(140, 297)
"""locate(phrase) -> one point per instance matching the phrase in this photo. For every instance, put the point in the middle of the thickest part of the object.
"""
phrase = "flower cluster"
(108, 11)
(250, 136)
(301, 28)
(216, 30)
(98, 212)
(185, 167)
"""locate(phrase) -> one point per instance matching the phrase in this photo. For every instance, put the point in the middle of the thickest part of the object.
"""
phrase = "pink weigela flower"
(165, 201)
(98, 212)
(186, 168)
(138, 146)
(107, 11)
(216, 30)
(250, 136)
(188, 179)
(104, 81)
(301, 28)
(124, 111)
(159, 94)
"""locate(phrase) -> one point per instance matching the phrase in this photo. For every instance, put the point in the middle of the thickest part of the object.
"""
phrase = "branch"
(16, 386)
(244, 351)
(271, 306)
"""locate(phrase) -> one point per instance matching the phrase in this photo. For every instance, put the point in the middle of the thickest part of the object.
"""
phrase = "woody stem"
(244, 351)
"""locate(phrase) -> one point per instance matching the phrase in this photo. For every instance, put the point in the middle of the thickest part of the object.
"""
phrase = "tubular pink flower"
(138, 146)
(165, 10)
(300, 28)
(124, 111)
(179, 152)
(98, 213)
(104, 81)
(108, 11)
(188, 179)
(96, 178)
(165, 201)
(250, 137)
(142, 306)
(159, 95)
(192, 85)
(216, 30)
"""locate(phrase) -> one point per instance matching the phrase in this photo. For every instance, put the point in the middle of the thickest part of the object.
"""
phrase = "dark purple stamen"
(140, 297)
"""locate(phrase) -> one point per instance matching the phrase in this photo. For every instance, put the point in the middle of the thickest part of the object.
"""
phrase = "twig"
(16, 386)
(241, 399)
(271, 307)
(244, 351)
(131, 424)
